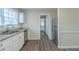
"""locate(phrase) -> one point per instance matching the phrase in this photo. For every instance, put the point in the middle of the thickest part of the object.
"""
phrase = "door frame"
(47, 31)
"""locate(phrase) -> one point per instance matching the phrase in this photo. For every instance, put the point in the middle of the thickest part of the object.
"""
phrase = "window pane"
(21, 18)
(10, 21)
(15, 15)
(0, 21)
(6, 12)
(0, 11)
(0, 16)
(11, 16)
(7, 21)
(14, 21)
(6, 15)
(11, 13)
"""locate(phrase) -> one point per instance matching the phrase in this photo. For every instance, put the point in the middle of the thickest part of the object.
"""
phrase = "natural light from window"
(10, 16)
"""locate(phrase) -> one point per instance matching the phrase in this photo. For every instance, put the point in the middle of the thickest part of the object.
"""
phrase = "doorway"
(55, 30)
(43, 26)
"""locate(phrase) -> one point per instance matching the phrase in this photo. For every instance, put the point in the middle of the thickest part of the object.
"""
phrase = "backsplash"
(15, 27)
(2, 29)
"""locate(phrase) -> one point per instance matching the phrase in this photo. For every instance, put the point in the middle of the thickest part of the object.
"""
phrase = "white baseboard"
(34, 39)
(68, 46)
(51, 38)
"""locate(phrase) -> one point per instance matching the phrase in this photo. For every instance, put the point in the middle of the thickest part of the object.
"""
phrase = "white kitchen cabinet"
(18, 41)
(6, 45)
(13, 43)
(21, 39)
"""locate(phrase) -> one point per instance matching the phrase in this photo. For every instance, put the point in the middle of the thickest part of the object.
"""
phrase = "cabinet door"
(6, 45)
(21, 39)
(18, 41)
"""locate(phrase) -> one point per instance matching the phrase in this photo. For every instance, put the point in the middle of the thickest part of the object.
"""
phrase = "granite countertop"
(4, 37)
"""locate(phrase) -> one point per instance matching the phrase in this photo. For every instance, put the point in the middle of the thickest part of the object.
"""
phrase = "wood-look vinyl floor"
(44, 44)
(40, 45)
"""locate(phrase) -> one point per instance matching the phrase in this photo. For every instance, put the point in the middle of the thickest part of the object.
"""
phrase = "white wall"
(33, 21)
(68, 28)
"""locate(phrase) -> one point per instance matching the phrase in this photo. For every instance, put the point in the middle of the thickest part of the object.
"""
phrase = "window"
(10, 16)
(0, 17)
(0, 21)
(21, 17)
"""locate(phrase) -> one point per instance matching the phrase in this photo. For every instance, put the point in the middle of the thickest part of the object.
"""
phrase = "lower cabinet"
(6, 45)
(21, 39)
(18, 41)
(13, 43)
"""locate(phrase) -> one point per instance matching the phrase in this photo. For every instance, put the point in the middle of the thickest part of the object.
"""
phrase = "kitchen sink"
(8, 32)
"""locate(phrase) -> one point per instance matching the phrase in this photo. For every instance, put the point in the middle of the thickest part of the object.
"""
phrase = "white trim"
(48, 22)
(51, 38)
(69, 32)
(58, 26)
(33, 39)
(68, 46)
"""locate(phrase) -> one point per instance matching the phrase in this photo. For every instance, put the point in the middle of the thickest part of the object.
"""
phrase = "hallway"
(43, 36)
(44, 44)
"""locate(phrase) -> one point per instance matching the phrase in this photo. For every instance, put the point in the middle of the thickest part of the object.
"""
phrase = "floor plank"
(38, 45)
(44, 44)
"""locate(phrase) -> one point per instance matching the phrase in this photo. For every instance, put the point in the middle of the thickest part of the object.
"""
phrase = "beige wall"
(33, 21)
(68, 28)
